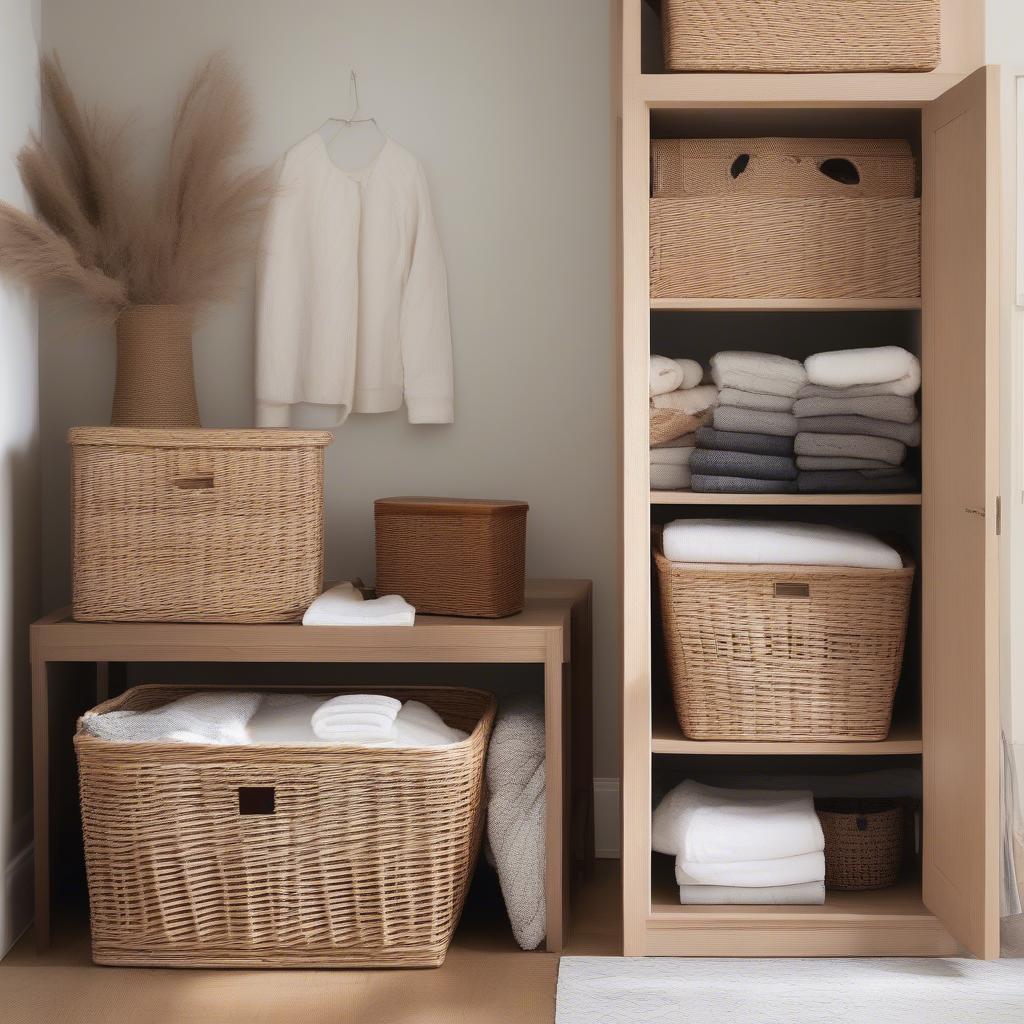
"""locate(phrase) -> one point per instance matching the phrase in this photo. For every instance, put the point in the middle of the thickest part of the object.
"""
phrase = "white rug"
(614, 990)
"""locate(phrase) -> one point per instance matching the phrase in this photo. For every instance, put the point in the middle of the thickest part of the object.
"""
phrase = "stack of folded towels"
(676, 384)
(742, 846)
(749, 449)
(856, 417)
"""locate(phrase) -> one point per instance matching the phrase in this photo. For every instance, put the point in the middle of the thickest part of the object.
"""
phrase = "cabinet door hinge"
(999, 515)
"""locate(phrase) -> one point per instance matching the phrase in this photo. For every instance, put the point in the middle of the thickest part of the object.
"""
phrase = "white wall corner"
(607, 818)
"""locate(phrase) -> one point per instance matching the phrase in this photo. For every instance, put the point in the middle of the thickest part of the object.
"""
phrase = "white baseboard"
(606, 818)
(16, 908)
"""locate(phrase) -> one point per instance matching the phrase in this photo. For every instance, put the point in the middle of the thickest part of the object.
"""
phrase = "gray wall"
(508, 105)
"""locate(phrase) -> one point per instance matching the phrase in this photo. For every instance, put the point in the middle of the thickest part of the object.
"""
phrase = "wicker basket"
(453, 556)
(801, 35)
(863, 843)
(770, 652)
(668, 424)
(787, 248)
(196, 525)
(281, 856)
(883, 168)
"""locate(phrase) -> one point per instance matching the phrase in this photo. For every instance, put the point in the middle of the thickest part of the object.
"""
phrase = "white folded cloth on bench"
(344, 605)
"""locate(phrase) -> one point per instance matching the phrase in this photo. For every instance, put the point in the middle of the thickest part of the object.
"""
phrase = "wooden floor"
(485, 979)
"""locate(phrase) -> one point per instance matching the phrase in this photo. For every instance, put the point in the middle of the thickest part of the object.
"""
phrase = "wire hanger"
(353, 118)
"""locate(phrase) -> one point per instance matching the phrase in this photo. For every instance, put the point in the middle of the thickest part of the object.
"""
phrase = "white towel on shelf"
(693, 372)
(417, 725)
(760, 372)
(666, 375)
(763, 542)
(887, 364)
(671, 456)
(802, 894)
(807, 867)
(285, 718)
(216, 716)
(344, 605)
(691, 401)
(707, 824)
(356, 718)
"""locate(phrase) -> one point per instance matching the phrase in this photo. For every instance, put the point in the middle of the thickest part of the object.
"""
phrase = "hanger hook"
(353, 83)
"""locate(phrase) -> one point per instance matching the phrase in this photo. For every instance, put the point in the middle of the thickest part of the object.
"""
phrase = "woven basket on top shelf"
(281, 855)
(801, 35)
(775, 652)
(864, 843)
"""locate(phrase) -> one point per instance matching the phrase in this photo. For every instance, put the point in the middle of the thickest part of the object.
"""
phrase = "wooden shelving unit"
(952, 731)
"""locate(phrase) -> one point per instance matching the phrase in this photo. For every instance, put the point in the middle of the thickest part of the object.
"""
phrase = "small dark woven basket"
(863, 843)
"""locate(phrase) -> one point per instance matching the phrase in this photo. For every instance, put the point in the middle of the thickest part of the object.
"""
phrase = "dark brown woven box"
(453, 556)
(863, 843)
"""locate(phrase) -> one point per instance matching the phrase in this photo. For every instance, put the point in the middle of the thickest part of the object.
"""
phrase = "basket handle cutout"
(739, 165)
(199, 482)
(793, 591)
(256, 800)
(840, 170)
(862, 824)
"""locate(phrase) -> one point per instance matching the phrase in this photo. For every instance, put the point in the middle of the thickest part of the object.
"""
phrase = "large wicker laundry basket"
(801, 35)
(281, 856)
(196, 525)
(770, 652)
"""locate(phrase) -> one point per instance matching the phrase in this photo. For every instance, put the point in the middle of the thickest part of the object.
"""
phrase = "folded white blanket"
(693, 372)
(764, 542)
(706, 824)
(356, 718)
(755, 400)
(691, 401)
(217, 716)
(887, 364)
(343, 605)
(807, 867)
(671, 456)
(805, 894)
(666, 375)
(760, 372)
(669, 478)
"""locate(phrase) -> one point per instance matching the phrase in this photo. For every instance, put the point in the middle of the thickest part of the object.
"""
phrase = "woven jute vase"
(155, 384)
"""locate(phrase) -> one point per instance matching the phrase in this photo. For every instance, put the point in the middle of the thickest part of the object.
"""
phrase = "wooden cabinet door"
(960, 510)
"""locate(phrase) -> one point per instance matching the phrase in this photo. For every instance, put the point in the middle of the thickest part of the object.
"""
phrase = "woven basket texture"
(863, 844)
(767, 652)
(155, 385)
(801, 35)
(781, 166)
(457, 563)
(668, 424)
(779, 247)
(196, 525)
(364, 861)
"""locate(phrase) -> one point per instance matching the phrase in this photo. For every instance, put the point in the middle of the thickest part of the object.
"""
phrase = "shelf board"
(693, 498)
(781, 305)
(667, 738)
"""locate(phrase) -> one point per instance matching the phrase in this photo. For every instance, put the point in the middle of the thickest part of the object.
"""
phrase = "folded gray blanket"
(755, 421)
(761, 372)
(839, 462)
(893, 387)
(755, 400)
(739, 485)
(852, 481)
(733, 441)
(879, 407)
(908, 433)
(853, 446)
(759, 467)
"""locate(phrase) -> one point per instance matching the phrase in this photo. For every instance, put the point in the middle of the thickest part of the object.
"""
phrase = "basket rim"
(201, 437)
(487, 700)
(776, 568)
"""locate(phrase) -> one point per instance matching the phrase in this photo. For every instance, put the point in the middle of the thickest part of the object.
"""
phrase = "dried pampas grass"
(93, 232)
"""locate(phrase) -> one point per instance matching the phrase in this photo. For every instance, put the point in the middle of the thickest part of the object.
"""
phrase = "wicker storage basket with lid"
(453, 556)
(196, 525)
(801, 35)
(281, 855)
(864, 842)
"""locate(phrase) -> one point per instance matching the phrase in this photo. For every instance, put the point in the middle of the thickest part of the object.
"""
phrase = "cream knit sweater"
(352, 308)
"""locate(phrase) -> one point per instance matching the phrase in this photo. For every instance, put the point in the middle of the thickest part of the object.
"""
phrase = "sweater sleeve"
(425, 326)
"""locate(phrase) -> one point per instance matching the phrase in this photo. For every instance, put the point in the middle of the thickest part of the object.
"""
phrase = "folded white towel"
(671, 456)
(691, 401)
(887, 364)
(669, 478)
(807, 867)
(804, 894)
(417, 725)
(343, 605)
(760, 372)
(356, 718)
(217, 716)
(706, 824)
(763, 542)
(693, 372)
(666, 375)
(285, 718)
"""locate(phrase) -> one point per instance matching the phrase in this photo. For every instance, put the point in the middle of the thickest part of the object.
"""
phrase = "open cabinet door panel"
(960, 510)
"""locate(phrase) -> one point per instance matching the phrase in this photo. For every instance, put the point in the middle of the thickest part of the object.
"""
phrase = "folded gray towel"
(846, 481)
(893, 387)
(761, 372)
(853, 446)
(755, 400)
(733, 441)
(739, 485)
(758, 467)
(878, 407)
(908, 433)
(839, 462)
(754, 421)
